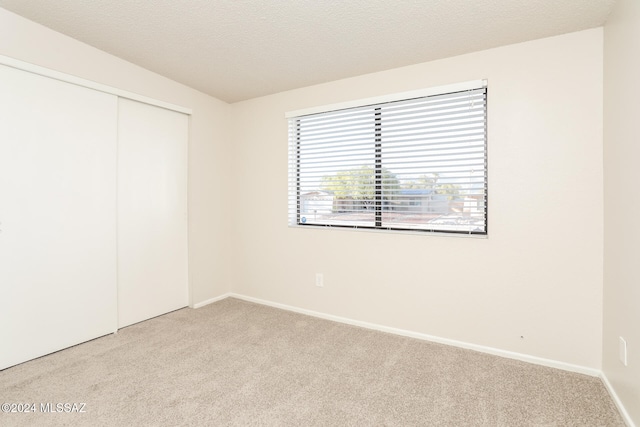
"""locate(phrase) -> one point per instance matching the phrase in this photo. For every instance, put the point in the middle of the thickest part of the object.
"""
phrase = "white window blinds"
(415, 164)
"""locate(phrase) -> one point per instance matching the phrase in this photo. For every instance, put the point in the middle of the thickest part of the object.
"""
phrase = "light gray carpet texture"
(236, 363)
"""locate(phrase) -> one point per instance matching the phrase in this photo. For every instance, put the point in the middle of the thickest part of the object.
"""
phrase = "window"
(416, 162)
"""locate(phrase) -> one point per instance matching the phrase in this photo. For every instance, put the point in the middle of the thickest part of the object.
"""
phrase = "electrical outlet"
(319, 280)
(622, 351)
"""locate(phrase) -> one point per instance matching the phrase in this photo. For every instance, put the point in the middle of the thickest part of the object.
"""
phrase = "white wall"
(209, 166)
(622, 201)
(537, 275)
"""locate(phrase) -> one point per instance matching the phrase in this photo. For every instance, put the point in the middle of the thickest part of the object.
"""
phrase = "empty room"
(319, 213)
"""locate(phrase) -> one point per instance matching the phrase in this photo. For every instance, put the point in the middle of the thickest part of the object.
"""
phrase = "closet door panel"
(57, 215)
(152, 211)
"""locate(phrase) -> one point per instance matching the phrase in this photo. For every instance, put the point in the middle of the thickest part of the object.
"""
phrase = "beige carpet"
(238, 363)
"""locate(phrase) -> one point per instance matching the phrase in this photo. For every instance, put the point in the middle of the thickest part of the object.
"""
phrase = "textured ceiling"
(241, 49)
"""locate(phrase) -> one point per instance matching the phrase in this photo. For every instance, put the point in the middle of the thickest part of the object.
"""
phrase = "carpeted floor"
(238, 363)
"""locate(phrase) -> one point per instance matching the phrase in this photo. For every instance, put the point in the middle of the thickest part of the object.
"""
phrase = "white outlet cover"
(622, 352)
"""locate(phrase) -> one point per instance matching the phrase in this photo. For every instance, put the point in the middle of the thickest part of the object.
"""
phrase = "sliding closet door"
(57, 215)
(152, 211)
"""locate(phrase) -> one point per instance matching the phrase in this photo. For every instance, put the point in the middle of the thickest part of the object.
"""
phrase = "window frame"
(296, 220)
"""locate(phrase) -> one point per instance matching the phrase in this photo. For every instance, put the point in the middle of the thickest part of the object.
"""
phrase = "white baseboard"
(483, 349)
(211, 300)
(614, 396)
